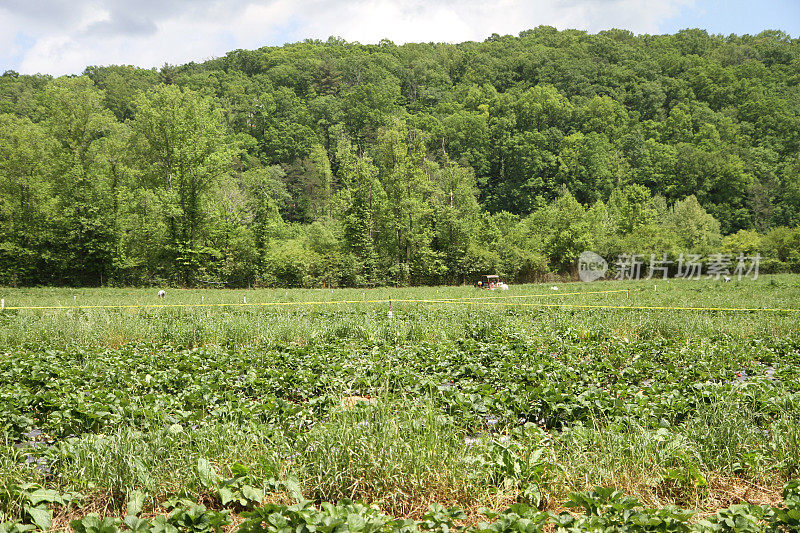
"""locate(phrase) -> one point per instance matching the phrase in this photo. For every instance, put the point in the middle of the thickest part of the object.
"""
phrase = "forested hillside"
(335, 163)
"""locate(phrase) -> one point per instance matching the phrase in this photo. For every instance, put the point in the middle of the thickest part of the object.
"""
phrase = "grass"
(413, 322)
(471, 404)
(393, 453)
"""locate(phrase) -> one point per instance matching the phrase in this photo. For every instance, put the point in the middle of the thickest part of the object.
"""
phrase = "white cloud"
(150, 32)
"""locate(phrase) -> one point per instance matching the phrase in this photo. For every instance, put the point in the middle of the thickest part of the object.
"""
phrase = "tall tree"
(74, 114)
(183, 149)
(26, 201)
(406, 177)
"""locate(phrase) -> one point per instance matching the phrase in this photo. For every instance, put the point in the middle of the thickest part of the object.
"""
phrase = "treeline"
(335, 163)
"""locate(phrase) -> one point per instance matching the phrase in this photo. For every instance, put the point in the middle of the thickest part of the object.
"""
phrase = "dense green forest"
(329, 163)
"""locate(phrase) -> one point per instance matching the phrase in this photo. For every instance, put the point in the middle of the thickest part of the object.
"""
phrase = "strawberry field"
(495, 415)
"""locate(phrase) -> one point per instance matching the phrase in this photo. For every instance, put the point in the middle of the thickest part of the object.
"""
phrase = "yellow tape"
(477, 300)
(321, 302)
(645, 307)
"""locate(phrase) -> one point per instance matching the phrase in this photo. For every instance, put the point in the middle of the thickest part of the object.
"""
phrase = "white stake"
(2, 304)
(245, 299)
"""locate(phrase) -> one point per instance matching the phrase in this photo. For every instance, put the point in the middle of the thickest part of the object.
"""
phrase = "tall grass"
(412, 322)
(400, 455)
(405, 454)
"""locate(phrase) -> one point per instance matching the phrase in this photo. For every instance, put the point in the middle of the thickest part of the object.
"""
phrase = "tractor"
(491, 282)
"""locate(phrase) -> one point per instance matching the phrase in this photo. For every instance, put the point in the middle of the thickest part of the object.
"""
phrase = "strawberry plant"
(34, 503)
(193, 518)
(92, 523)
(344, 517)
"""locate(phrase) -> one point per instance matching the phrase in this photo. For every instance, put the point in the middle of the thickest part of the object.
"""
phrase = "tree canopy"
(337, 163)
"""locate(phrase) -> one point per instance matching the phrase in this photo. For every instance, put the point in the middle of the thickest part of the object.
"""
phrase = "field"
(493, 412)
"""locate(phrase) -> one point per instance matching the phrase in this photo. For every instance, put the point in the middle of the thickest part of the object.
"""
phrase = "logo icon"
(591, 266)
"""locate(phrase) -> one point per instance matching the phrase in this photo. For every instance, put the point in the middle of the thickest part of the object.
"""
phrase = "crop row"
(525, 419)
(600, 510)
(657, 383)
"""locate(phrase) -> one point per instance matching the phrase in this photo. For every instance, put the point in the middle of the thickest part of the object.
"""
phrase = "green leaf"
(293, 487)
(252, 494)
(160, 525)
(355, 522)
(137, 525)
(15, 527)
(239, 470)
(226, 495)
(208, 475)
(44, 496)
(40, 516)
(135, 502)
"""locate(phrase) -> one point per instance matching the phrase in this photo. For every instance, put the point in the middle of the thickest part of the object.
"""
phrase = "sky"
(65, 36)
